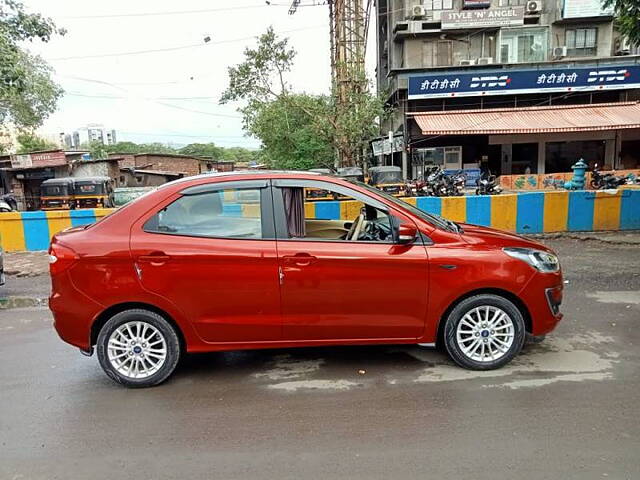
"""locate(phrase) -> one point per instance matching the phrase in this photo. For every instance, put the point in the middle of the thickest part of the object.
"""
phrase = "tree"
(210, 150)
(27, 93)
(29, 142)
(297, 130)
(627, 15)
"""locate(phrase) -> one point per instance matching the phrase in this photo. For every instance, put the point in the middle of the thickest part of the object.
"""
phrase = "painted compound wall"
(534, 212)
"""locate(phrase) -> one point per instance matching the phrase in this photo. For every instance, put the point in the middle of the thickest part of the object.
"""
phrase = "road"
(565, 409)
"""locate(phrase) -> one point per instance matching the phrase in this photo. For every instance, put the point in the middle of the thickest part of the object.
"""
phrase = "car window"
(233, 213)
(348, 219)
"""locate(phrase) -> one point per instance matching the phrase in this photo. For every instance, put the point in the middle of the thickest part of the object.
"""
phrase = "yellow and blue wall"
(527, 212)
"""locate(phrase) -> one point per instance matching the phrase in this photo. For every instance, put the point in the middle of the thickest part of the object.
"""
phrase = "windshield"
(53, 190)
(386, 177)
(89, 189)
(432, 218)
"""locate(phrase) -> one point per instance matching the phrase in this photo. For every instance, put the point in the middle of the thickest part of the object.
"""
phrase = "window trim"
(266, 208)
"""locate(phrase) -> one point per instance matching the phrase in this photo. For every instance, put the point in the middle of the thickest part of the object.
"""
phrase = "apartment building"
(514, 86)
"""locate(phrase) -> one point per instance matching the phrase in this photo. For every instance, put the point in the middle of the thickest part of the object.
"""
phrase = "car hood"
(490, 237)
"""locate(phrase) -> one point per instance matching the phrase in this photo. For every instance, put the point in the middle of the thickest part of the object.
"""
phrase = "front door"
(337, 283)
(212, 253)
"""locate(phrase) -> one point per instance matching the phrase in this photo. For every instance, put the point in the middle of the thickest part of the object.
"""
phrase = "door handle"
(299, 259)
(154, 258)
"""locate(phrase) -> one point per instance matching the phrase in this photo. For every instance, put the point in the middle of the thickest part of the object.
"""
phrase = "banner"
(493, 17)
(509, 82)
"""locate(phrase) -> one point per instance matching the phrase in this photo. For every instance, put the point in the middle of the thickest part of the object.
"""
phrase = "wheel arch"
(109, 312)
(526, 315)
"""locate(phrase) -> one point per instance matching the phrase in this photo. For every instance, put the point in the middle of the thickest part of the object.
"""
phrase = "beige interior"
(326, 228)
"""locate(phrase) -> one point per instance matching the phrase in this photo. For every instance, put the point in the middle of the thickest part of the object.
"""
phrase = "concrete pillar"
(405, 162)
(506, 158)
(610, 152)
(542, 147)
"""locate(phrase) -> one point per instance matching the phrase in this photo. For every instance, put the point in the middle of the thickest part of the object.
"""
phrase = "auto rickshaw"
(351, 173)
(388, 179)
(93, 192)
(57, 194)
(316, 194)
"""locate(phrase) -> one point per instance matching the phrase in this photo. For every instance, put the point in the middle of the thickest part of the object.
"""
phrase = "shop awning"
(548, 119)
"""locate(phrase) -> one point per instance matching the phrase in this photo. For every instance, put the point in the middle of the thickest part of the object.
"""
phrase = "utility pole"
(348, 27)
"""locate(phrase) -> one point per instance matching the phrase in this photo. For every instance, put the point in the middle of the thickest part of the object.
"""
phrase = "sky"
(171, 95)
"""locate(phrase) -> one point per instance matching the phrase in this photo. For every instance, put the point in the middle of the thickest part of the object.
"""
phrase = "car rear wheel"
(484, 332)
(138, 348)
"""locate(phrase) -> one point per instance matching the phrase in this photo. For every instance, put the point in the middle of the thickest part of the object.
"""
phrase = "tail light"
(61, 258)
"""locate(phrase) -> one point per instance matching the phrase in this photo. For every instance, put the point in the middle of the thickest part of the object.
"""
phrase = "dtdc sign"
(465, 84)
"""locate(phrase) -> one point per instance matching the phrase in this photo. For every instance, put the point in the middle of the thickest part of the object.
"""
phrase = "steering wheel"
(356, 226)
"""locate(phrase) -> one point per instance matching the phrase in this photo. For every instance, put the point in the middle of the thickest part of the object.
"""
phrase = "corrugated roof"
(547, 119)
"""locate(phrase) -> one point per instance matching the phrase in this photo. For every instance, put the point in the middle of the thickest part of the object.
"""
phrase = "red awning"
(548, 119)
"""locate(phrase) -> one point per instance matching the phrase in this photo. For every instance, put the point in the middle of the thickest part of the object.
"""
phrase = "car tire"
(138, 348)
(484, 332)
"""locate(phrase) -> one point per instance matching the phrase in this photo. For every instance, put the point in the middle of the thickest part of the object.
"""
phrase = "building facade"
(511, 86)
(91, 133)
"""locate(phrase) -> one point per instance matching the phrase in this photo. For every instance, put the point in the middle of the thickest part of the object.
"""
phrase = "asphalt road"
(567, 408)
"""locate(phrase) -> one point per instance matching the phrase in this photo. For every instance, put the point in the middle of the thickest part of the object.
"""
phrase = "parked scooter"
(606, 181)
(436, 183)
(487, 184)
(8, 203)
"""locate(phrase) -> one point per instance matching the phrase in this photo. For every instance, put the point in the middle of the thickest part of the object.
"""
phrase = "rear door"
(211, 251)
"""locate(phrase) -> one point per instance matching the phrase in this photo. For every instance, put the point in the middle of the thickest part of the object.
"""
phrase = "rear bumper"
(73, 312)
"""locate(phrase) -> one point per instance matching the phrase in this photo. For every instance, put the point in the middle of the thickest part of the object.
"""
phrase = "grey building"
(515, 86)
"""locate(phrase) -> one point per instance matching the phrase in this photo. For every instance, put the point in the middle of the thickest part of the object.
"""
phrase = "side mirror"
(407, 233)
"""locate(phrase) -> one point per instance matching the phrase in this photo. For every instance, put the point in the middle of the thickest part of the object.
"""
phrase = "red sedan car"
(239, 261)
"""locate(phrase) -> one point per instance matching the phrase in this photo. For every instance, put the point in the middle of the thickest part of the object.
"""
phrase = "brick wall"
(169, 163)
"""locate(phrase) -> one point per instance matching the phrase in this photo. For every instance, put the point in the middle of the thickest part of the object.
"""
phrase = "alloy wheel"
(137, 349)
(485, 333)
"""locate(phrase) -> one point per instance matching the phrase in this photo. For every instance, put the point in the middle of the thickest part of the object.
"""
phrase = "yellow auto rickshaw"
(93, 192)
(57, 194)
(388, 179)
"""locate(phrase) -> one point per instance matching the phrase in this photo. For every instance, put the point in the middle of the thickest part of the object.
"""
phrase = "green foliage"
(210, 150)
(29, 142)
(27, 93)
(627, 18)
(298, 130)
(289, 133)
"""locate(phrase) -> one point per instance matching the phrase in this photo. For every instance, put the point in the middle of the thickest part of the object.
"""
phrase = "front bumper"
(543, 296)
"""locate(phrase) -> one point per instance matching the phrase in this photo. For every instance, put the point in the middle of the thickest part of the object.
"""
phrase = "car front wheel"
(138, 348)
(484, 332)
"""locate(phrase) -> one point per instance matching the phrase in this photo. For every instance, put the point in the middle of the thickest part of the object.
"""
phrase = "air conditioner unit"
(559, 52)
(533, 6)
(467, 62)
(485, 60)
(418, 11)
(623, 46)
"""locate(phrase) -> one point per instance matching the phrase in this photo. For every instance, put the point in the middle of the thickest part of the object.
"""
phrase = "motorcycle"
(456, 183)
(487, 184)
(8, 203)
(605, 181)
(436, 183)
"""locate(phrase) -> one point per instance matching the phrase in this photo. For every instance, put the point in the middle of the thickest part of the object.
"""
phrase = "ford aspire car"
(242, 260)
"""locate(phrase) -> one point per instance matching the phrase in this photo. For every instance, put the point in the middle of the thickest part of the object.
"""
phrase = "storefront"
(503, 128)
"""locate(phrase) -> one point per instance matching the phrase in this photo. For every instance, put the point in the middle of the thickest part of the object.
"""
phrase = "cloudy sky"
(142, 67)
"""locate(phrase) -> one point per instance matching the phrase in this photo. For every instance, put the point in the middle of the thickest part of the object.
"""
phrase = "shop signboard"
(385, 147)
(585, 9)
(493, 17)
(476, 3)
(510, 82)
(21, 161)
(41, 159)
